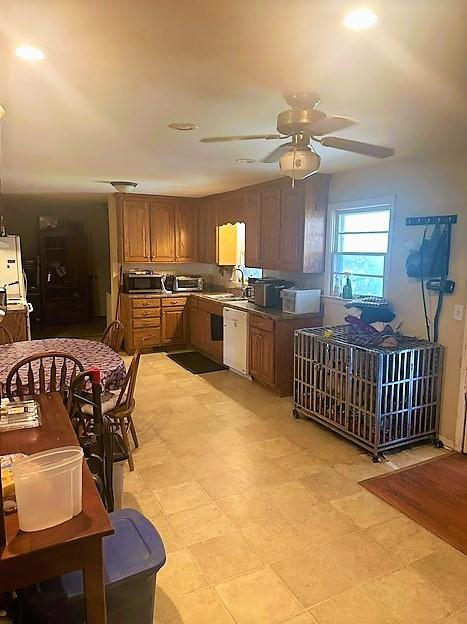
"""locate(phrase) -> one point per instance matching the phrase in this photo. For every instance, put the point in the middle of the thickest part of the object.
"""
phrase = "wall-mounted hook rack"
(435, 220)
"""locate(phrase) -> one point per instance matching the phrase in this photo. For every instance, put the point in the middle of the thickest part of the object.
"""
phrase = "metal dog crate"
(378, 398)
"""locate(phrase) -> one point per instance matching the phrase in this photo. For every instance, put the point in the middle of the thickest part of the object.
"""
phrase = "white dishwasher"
(236, 340)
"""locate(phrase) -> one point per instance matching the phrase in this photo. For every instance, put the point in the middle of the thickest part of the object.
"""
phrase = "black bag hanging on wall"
(432, 257)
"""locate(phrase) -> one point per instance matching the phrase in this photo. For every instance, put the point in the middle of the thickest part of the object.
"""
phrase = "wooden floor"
(433, 493)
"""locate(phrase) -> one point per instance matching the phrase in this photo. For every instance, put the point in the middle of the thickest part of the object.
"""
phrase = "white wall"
(433, 185)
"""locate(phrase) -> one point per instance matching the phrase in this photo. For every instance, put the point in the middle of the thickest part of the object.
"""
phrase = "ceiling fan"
(303, 123)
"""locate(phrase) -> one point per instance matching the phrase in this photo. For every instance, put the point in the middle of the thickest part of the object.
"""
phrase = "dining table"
(76, 544)
(89, 352)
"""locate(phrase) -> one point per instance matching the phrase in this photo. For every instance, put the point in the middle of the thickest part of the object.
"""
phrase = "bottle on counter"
(347, 290)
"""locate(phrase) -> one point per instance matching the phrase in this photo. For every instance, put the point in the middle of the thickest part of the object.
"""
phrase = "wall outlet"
(458, 312)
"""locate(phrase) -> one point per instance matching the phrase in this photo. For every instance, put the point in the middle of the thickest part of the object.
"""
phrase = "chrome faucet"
(243, 279)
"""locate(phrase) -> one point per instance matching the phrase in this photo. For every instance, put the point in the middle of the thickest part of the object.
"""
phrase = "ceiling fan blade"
(330, 124)
(377, 151)
(245, 137)
(277, 153)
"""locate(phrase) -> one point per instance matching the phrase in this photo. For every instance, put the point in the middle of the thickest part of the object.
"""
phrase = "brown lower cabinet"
(16, 323)
(200, 319)
(155, 320)
(271, 350)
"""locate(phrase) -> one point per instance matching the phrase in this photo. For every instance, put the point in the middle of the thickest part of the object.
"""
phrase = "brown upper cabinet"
(162, 231)
(207, 224)
(185, 232)
(156, 229)
(134, 230)
(231, 207)
(285, 226)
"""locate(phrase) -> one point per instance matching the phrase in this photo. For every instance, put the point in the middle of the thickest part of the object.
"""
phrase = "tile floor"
(263, 518)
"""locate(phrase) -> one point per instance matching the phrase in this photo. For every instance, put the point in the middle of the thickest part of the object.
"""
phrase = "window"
(359, 244)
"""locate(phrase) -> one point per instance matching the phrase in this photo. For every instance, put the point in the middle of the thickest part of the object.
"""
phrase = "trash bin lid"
(135, 549)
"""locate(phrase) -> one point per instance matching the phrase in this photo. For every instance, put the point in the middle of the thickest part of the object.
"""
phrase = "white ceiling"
(118, 72)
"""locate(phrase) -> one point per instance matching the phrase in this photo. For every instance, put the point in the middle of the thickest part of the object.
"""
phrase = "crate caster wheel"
(438, 444)
(375, 459)
(296, 413)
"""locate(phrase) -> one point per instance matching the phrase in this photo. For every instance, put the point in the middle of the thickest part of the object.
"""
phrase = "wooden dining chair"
(121, 412)
(113, 335)
(5, 336)
(41, 373)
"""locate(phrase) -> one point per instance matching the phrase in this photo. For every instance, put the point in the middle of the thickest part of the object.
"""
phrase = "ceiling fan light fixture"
(360, 19)
(122, 186)
(299, 163)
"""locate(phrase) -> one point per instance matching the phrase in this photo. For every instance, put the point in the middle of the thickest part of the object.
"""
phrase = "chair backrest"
(40, 373)
(5, 336)
(125, 398)
(113, 335)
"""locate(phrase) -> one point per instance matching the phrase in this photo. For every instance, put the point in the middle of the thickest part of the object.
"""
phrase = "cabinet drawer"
(173, 301)
(146, 313)
(149, 322)
(146, 303)
(151, 337)
(261, 322)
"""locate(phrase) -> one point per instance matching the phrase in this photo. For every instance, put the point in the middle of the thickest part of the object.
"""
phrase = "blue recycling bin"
(132, 557)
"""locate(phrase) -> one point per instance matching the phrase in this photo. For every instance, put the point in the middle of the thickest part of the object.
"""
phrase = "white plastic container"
(301, 301)
(48, 487)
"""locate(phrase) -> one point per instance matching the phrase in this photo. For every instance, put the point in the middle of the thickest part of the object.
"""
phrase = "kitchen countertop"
(247, 306)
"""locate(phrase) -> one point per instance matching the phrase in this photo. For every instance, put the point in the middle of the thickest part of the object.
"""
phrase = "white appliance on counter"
(296, 301)
(236, 340)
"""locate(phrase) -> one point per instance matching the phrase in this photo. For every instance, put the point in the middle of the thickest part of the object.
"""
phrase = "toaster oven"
(183, 283)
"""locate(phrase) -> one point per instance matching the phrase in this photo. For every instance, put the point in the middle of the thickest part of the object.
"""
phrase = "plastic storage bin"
(132, 557)
(48, 487)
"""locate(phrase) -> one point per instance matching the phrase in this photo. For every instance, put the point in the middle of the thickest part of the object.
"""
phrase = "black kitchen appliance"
(268, 291)
(143, 281)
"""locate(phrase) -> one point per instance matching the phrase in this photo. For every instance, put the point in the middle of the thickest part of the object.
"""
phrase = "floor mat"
(196, 363)
(433, 493)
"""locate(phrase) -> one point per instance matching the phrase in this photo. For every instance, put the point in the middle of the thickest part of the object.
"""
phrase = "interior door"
(185, 233)
(253, 229)
(270, 228)
(162, 232)
(291, 229)
(136, 231)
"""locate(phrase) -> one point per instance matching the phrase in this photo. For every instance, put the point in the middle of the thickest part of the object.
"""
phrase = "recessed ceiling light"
(244, 161)
(29, 53)
(183, 125)
(360, 19)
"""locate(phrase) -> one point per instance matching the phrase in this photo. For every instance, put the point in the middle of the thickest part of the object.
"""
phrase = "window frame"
(365, 205)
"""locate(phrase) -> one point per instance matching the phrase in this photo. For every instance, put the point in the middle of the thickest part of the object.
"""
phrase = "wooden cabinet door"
(270, 228)
(291, 229)
(174, 326)
(255, 351)
(162, 231)
(253, 229)
(135, 230)
(198, 327)
(185, 233)
(207, 234)
(267, 357)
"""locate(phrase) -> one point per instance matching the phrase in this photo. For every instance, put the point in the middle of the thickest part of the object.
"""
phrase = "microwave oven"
(143, 282)
(295, 301)
(183, 283)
